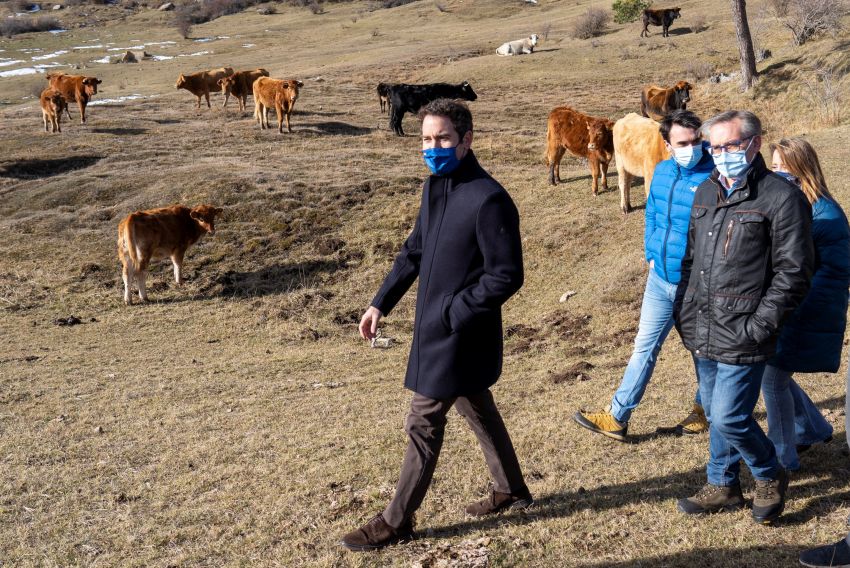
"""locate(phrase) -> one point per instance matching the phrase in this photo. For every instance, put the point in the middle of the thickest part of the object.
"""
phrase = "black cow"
(384, 95)
(663, 17)
(410, 98)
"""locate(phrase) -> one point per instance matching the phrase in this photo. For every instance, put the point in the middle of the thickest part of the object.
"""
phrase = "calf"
(638, 147)
(663, 17)
(518, 47)
(240, 85)
(657, 102)
(383, 95)
(583, 136)
(73, 88)
(158, 233)
(410, 98)
(202, 83)
(52, 105)
(278, 93)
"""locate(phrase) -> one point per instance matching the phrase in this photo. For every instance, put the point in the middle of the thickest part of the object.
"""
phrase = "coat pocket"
(732, 316)
(445, 306)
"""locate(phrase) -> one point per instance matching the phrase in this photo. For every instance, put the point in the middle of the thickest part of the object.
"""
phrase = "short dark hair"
(684, 118)
(457, 112)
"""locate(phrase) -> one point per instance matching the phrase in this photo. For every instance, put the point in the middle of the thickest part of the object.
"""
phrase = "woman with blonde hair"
(811, 339)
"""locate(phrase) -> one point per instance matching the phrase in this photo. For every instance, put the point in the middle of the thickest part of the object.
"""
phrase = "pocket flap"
(689, 295)
(749, 217)
(697, 212)
(737, 304)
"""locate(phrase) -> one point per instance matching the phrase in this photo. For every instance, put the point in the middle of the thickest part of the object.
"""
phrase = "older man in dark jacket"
(747, 267)
(465, 249)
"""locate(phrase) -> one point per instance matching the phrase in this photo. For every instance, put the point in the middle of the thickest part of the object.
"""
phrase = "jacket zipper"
(667, 233)
(728, 238)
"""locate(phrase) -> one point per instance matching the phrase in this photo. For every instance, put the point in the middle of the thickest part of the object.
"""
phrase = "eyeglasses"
(733, 146)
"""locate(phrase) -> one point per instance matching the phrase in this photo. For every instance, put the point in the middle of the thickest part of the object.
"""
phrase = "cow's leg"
(177, 261)
(624, 180)
(604, 168)
(279, 111)
(128, 276)
(648, 170)
(207, 96)
(288, 114)
(67, 111)
(44, 119)
(226, 97)
(82, 106)
(199, 101)
(141, 276)
(555, 166)
(593, 162)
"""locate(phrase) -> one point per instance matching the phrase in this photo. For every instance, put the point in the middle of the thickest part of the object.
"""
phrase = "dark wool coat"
(465, 249)
(811, 340)
(747, 267)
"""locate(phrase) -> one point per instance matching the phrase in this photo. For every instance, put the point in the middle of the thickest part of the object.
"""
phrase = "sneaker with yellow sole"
(602, 423)
(695, 422)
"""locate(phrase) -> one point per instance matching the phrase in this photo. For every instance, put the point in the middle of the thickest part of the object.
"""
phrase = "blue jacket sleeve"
(649, 225)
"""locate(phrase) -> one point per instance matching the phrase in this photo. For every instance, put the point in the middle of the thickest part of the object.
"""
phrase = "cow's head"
(467, 92)
(682, 90)
(90, 85)
(600, 137)
(534, 39)
(674, 13)
(226, 84)
(204, 215)
(181, 81)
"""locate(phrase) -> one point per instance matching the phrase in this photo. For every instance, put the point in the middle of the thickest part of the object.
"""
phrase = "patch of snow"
(22, 71)
(118, 100)
(126, 48)
(161, 57)
(95, 46)
(194, 54)
(58, 31)
(12, 62)
(30, 50)
(249, 45)
(161, 43)
(206, 39)
(50, 55)
(48, 65)
(103, 60)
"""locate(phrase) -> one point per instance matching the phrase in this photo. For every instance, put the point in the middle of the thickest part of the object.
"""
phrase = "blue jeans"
(792, 417)
(656, 321)
(729, 395)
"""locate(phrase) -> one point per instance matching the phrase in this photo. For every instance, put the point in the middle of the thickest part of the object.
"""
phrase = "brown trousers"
(426, 424)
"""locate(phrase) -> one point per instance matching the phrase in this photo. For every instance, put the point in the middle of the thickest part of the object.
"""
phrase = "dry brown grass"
(239, 421)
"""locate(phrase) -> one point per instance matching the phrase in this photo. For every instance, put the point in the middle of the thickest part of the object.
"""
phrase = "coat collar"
(468, 170)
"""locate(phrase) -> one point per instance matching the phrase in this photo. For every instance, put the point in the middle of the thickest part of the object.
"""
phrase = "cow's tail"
(550, 144)
(129, 243)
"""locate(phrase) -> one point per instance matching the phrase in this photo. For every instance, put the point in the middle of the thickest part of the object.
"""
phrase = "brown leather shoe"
(496, 502)
(376, 534)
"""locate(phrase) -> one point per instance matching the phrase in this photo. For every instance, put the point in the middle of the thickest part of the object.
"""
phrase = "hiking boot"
(801, 448)
(769, 501)
(833, 555)
(694, 423)
(496, 502)
(712, 499)
(376, 534)
(603, 423)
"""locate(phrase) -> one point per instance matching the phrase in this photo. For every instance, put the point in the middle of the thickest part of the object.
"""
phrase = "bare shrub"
(591, 24)
(440, 7)
(698, 24)
(315, 7)
(626, 11)
(699, 70)
(808, 18)
(824, 89)
(10, 27)
(544, 33)
(183, 21)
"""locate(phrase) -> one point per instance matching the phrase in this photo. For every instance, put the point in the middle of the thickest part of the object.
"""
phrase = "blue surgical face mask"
(441, 161)
(790, 177)
(688, 156)
(732, 164)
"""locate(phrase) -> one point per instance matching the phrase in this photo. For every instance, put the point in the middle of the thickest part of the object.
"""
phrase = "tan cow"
(202, 83)
(657, 102)
(638, 147)
(158, 233)
(583, 136)
(278, 93)
(52, 105)
(240, 85)
(73, 88)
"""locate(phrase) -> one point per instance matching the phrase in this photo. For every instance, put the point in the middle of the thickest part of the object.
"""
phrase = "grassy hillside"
(240, 421)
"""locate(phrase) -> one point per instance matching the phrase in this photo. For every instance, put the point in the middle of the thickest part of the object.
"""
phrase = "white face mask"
(687, 156)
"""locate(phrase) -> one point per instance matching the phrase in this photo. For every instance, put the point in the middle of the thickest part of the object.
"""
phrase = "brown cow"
(278, 93)
(202, 83)
(77, 88)
(240, 85)
(638, 147)
(583, 136)
(657, 102)
(52, 105)
(663, 17)
(158, 233)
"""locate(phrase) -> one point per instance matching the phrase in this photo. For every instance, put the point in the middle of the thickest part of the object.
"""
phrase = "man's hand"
(369, 323)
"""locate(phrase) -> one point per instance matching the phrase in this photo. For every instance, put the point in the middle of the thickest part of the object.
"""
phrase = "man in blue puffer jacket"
(668, 210)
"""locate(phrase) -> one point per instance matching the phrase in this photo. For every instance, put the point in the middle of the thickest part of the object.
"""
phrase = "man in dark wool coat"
(465, 249)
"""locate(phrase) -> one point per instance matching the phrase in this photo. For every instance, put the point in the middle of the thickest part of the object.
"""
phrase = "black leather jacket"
(748, 265)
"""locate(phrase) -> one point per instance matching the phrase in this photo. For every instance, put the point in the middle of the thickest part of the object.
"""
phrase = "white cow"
(518, 47)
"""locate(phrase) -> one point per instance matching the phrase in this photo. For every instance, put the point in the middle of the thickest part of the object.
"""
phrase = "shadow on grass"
(120, 131)
(35, 169)
(275, 279)
(823, 469)
(339, 128)
(780, 555)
